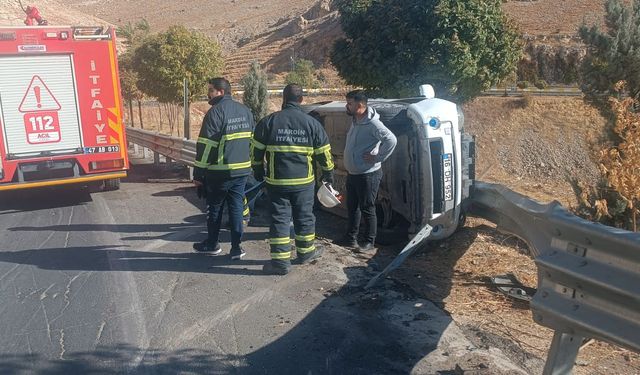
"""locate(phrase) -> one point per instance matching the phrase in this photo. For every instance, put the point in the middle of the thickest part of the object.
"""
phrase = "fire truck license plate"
(101, 150)
(447, 176)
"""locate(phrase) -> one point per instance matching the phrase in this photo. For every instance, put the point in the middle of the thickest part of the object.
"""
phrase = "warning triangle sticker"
(38, 97)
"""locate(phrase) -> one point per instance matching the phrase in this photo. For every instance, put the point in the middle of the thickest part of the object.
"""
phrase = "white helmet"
(327, 196)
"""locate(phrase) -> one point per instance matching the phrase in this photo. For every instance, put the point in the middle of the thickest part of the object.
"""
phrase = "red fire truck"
(60, 107)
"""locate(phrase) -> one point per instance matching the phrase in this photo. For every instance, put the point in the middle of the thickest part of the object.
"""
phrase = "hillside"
(523, 143)
(277, 31)
(228, 21)
(56, 12)
(233, 20)
(271, 32)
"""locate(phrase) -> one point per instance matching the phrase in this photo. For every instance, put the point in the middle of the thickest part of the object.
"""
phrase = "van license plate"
(447, 176)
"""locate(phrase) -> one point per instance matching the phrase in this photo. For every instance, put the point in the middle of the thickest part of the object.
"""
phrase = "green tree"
(129, 86)
(304, 74)
(255, 95)
(132, 35)
(164, 60)
(613, 54)
(461, 47)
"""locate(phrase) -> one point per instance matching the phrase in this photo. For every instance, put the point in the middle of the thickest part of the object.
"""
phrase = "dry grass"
(549, 17)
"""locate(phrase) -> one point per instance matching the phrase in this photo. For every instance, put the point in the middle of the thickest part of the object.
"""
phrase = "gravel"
(535, 157)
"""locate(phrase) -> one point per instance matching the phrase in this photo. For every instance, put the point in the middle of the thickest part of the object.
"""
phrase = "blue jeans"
(230, 190)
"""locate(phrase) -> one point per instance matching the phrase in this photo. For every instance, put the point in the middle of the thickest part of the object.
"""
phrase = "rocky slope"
(56, 12)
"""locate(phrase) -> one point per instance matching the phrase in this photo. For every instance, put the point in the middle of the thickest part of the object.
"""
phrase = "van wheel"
(111, 184)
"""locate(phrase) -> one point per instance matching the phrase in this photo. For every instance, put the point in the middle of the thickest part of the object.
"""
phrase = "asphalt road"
(106, 282)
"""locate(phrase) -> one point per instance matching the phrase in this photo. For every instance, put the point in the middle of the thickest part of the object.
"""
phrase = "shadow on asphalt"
(110, 360)
(385, 330)
(113, 258)
(48, 197)
(171, 232)
(45, 198)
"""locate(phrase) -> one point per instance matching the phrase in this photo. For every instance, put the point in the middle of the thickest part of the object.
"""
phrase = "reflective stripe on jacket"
(289, 141)
(223, 146)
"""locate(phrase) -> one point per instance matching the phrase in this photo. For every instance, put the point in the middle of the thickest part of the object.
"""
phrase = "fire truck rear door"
(39, 106)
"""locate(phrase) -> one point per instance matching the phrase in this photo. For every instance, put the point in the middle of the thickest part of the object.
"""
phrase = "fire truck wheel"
(112, 184)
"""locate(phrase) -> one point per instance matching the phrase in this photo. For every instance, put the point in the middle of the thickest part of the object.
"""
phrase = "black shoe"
(366, 247)
(205, 247)
(317, 253)
(346, 241)
(270, 269)
(237, 254)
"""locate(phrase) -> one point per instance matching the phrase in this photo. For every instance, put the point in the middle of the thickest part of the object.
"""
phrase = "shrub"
(256, 96)
(303, 74)
(616, 202)
(541, 84)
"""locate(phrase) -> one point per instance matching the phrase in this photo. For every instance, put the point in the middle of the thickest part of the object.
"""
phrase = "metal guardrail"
(572, 91)
(178, 149)
(277, 91)
(549, 91)
(588, 273)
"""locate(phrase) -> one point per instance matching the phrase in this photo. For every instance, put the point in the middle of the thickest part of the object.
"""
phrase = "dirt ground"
(542, 17)
(536, 146)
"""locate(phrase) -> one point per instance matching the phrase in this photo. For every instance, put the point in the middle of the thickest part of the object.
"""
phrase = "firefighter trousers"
(285, 204)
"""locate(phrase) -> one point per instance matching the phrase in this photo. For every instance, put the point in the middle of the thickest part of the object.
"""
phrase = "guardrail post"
(169, 162)
(136, 149)
(191, 173)
(187, 112)
(156, 159)
(562, 354)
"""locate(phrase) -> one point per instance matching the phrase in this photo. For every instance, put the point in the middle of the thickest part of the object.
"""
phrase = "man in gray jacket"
(369, 143)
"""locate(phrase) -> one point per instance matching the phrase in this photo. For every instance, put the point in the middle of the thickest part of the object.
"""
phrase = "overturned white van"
(429, 176)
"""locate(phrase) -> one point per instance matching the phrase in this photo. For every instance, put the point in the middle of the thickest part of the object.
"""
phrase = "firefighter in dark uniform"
(289, 141)
(223, 164)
